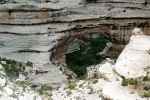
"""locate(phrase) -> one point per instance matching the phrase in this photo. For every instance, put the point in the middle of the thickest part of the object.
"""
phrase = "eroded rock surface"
(130, 63)
(40, 17)
(25, 26)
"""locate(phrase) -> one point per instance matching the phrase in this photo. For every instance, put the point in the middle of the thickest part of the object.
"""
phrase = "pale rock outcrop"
(103, 70)
(106, 70)
(132, 66)
(134, 60)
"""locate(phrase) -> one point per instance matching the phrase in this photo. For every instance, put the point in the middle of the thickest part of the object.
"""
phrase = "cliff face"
(32, 20)
(41, 16)
(115, 18)
(29, 28)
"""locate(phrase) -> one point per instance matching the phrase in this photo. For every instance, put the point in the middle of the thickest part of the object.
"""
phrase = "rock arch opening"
(82, 53)
(82, 48)
(85, 46)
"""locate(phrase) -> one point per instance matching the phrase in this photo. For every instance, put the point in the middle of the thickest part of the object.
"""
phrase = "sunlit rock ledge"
(134, 60)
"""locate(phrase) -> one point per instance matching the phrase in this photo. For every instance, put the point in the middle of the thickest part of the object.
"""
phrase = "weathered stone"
(25, 24)
(130, 63)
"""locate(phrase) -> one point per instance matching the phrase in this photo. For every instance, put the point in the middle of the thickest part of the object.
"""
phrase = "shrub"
(12, 67)
(126, 82)
(44, 89)
(72, 85)
(79, 60)
(146, 94)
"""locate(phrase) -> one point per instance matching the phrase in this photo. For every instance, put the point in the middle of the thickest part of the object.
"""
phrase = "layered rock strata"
(26, 26)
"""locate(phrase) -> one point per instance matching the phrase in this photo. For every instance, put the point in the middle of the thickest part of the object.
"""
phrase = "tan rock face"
(121, 15)
(33, 20)
(129, 63)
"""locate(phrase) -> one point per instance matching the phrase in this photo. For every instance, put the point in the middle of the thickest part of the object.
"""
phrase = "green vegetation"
(132, 82)
(87, 55)
(146, 78)
(144, 82)
(94, 81)
(12, 67)
(23, 84)
(146, 94)
(126, 82)
(72, 85)
(44, 90)
(29, 63)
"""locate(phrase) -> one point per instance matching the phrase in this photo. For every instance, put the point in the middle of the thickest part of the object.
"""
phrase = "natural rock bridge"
(25, 25)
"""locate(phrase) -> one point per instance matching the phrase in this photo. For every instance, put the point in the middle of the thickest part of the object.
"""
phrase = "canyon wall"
(26, 24)
(33, 30)
(29, 29)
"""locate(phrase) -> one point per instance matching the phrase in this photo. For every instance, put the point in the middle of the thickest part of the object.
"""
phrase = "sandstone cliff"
(33, 30)
(28, 28)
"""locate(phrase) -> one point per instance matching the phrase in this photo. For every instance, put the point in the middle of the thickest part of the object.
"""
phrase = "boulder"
(134, 61)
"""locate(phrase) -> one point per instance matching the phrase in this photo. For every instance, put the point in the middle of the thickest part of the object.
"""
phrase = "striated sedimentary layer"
(29, 29)
(33, 30)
